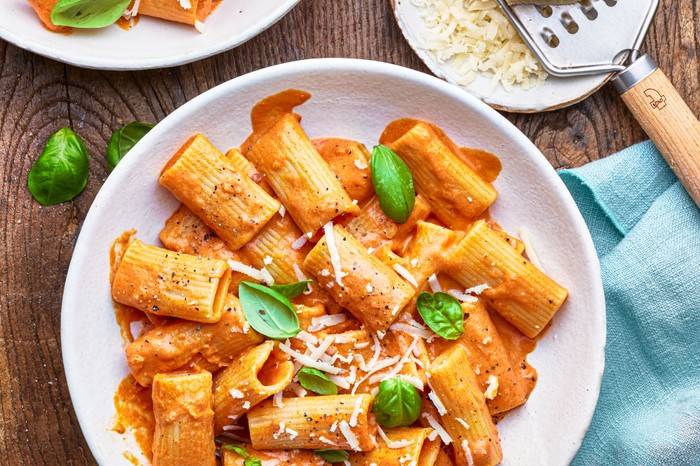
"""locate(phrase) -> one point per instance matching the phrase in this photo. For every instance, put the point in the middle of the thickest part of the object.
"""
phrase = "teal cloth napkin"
(647, 233)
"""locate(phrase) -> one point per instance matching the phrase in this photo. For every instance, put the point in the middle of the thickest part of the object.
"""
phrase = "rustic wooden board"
(38, 96)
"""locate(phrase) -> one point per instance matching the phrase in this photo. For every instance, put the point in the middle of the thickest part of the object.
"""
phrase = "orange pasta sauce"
(135, 414)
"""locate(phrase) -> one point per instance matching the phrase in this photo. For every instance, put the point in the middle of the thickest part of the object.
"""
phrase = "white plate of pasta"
(147, 41)
(423, 294)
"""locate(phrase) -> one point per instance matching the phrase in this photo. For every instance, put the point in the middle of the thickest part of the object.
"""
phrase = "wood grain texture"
(39, 96)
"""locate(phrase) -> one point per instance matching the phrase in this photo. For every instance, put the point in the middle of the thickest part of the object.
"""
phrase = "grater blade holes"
(589, 10)
(569, 23)
(545, 10)
(550, 38)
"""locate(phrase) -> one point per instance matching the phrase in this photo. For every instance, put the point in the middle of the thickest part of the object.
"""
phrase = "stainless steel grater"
(603, 37)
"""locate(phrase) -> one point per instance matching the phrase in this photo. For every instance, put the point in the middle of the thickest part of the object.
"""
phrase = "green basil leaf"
(123, 140)
(292, 290)
(443, 314)
(397, 403)
(393, 184)
(267, 311)
(88, 13)
(332, 456)
(61, 171)
(252, 461)
(238, 449)
(316, 381)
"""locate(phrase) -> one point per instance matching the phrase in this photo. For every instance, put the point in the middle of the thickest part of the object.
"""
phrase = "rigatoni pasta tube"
(173, 10)
(455, 192)
(314, 422)
(405, 446)
(229, 202)
(464, 414)
(243, 165)
(369, 289)
(519, 291)
(286, 458)
(184, 431)
(258, 374)
(171, 346)
(171, 284)
(299, 176)
(498, 379)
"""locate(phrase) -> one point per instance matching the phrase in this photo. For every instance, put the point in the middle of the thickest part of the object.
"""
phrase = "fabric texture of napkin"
(647, 233)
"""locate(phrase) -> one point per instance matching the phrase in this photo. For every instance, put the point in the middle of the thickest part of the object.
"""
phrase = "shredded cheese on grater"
(476, 39)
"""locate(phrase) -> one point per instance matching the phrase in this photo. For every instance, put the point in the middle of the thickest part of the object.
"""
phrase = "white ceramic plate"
(555, 93)
(152, 43)
(353, 99)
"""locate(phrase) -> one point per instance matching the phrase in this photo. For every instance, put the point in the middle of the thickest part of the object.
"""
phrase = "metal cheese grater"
(604, 36)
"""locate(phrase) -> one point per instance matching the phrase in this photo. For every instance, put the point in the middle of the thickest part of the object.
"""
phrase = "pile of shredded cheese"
(475, 37)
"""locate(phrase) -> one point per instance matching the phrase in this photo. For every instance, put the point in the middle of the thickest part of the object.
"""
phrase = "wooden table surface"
(39, 96)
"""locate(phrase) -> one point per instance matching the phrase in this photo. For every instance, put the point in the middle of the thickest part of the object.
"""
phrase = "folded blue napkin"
(647, 233)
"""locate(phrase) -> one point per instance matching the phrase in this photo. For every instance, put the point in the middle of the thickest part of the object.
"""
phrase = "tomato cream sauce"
(127, 24)
(135, 414)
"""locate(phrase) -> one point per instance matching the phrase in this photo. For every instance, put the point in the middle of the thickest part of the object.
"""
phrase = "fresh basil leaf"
(267, 311)
(397, 403)
(332, 456)
(443, 314)
(252, 461)
(88, 13)
(292, 290)
(61, 171)
(238, 449)
(123, 140)
(316, 381)
(393, 184)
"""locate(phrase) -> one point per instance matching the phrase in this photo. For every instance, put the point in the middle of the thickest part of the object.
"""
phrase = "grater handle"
(665, 117)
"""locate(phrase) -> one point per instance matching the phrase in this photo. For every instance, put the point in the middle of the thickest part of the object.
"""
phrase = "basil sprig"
(443, 314)
(292, 290)
(397, 403)
(242, 452)
(267, 311)
(88, 13)
(393, 184)
(316, 381)
(123, 140)
(332, 456)
(61, 171)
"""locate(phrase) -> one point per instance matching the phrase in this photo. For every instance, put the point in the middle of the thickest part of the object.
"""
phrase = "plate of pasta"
(146, 34)
(334, 261)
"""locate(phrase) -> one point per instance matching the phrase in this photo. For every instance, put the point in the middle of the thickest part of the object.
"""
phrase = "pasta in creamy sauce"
(191, 12)
(282, 209)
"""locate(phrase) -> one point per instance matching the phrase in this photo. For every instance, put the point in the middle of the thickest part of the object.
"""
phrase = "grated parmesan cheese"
(401, 270)
(393, 445)
(186, 4)
(446, 439)
(333, 251)
(492, 389)
(349, 435)
(434, 283)
(463, 422)
(467, 452)
(282, 211)
(261, 275)
(235, 393)
(478, 289)
(292, 433)
(246, 405)
(319, 323)
(360, 164)
(307, 360)
(356, 411)
(436, 401)
(299, 242)
(476, 39)
(199, 26)
(327, 441)
(529, 249)
(277, 400)
(463, 297)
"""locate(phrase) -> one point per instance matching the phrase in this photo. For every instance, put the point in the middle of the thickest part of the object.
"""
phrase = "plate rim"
(320, 65)
(114, 64)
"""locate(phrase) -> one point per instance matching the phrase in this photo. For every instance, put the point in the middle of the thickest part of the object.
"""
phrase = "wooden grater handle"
(666, 118)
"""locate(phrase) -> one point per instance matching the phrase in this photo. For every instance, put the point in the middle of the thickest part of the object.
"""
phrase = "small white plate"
(152, 43)
(353, 99)
(555, 93)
